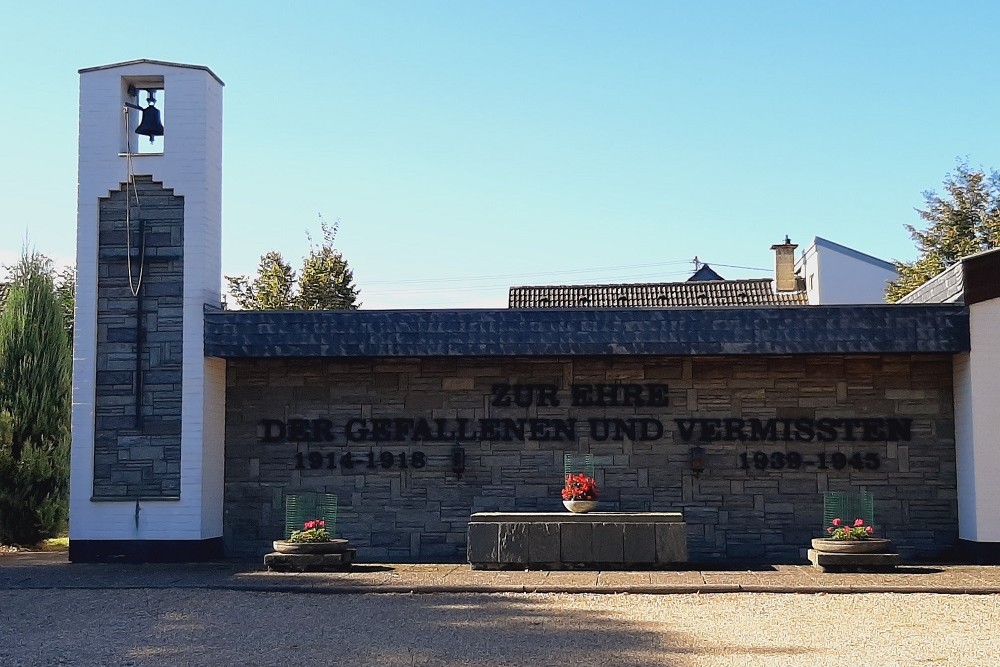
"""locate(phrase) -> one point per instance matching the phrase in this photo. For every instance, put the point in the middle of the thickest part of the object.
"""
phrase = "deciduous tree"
(963, 221)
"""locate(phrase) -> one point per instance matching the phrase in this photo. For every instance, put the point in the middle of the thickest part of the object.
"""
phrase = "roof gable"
(147, 61)
(853, 254)
(705, 273)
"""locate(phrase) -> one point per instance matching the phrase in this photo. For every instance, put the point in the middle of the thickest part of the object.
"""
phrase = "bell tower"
(148, 407)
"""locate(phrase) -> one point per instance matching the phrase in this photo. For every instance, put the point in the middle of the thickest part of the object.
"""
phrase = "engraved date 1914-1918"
(369, 459)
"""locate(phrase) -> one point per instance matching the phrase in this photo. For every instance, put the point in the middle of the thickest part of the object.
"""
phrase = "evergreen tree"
(964, 221)
(64, 281)
(270, 289)
(35, 399)
(325, 281)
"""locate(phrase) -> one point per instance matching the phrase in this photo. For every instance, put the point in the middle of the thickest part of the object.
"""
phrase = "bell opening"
(146, 113)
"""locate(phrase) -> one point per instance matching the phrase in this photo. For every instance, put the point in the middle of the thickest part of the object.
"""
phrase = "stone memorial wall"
(412, 447)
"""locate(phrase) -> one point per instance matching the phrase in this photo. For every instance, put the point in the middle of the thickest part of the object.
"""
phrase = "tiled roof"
(751, 292)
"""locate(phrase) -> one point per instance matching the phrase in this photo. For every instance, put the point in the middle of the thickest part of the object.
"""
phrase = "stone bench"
(560, 540)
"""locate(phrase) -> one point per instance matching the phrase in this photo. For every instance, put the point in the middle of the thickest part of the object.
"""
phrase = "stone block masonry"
(139, 458)
(402, 499)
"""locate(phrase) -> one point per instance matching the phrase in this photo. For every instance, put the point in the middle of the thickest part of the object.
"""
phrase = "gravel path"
(211, 627)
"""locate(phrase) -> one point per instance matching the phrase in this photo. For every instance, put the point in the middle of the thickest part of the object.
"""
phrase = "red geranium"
(579, 487)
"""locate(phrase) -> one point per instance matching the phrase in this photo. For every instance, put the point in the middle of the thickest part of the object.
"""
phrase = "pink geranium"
(859, 531)
(313, 530)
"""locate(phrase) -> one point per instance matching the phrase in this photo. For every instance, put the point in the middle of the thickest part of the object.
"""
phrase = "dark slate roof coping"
(874, 329)
(981, 278)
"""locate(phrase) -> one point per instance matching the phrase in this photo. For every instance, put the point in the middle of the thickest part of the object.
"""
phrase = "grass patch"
(54, 544)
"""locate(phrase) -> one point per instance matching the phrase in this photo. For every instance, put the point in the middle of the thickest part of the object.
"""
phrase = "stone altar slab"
(564, 540)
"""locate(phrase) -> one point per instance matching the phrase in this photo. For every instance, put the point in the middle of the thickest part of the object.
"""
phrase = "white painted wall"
(191, 164)
(977, 426)
(964, 451)
(213, 459)
(835, 274)
(807, 266)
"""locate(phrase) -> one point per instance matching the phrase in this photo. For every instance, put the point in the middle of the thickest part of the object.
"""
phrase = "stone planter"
(579, 505)
(869, 546)
(335, 546)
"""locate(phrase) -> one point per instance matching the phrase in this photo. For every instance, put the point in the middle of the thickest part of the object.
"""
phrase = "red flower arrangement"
(313, 530)
(839, 530)
(579, 487)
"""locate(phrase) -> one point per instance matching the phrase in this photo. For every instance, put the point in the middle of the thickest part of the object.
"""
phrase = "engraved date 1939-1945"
(796, 461)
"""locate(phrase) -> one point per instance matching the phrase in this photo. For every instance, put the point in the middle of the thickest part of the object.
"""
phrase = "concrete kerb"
(48, 571)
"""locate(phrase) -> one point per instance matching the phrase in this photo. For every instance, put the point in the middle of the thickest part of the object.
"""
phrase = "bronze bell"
(150, 125)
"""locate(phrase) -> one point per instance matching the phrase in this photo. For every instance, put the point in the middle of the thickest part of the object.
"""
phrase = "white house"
(835, 274)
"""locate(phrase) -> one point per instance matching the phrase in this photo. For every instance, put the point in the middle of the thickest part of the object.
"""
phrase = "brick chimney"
(784, 266)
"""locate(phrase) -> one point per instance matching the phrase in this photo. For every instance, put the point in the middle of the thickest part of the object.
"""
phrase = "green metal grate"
(302, 507)
(574, 464)
(847, 506)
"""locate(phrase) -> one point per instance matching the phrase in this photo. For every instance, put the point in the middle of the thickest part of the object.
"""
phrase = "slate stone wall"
(421, 514)
(139, 459)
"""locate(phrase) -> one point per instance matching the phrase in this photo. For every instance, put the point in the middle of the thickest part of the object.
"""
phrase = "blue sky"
(468, 146)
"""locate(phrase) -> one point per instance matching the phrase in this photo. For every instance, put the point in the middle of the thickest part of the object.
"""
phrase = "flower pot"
(872, 545)
(334, 546)
(579, 505)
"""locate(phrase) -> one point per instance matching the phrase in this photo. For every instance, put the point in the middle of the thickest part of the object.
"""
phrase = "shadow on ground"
(186, 627)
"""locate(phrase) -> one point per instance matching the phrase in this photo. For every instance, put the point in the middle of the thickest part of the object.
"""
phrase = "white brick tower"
(148, 408)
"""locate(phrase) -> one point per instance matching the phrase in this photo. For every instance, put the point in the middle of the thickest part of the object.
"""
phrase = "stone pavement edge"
(52, 570)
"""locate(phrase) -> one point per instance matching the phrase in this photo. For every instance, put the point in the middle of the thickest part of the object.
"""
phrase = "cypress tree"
(35, 400)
